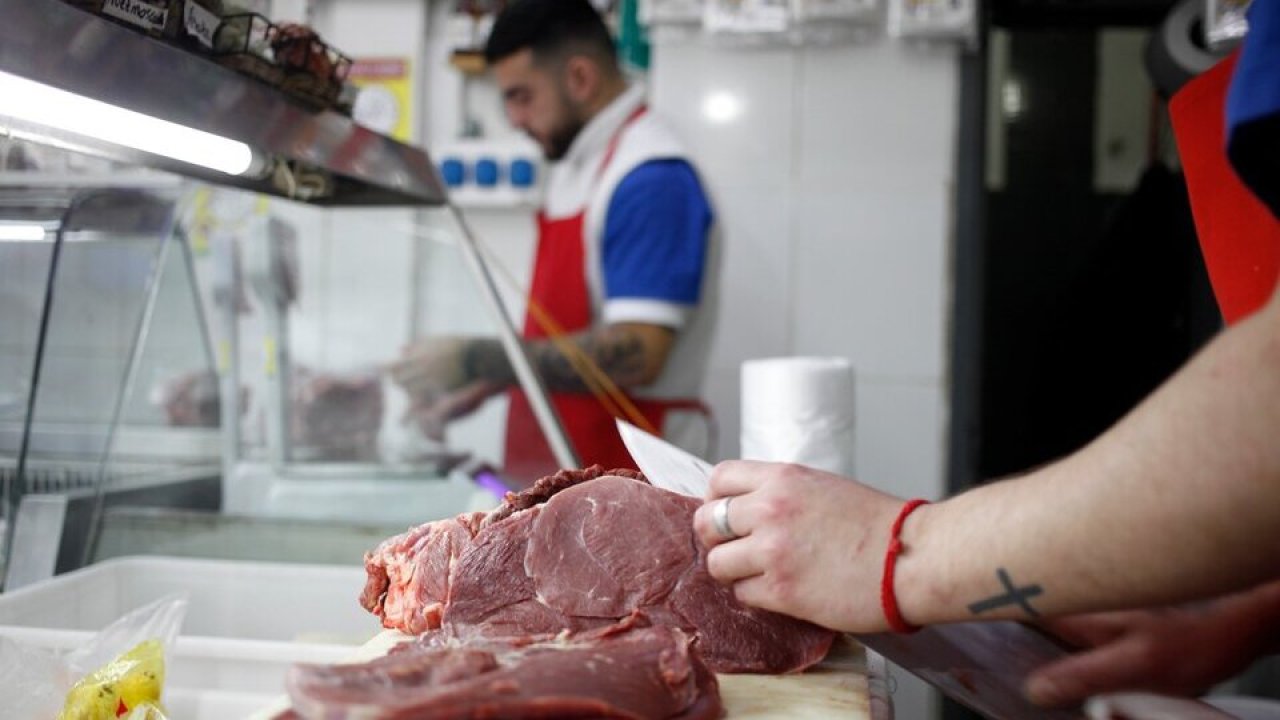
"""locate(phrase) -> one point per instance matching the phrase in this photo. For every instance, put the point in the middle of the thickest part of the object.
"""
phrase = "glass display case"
(308, 316)
(195, 359)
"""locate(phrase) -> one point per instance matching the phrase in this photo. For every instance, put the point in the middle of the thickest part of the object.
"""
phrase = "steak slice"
(605, 548)
(542, 490)
(492, 596)
(407, 582)
(622, 671)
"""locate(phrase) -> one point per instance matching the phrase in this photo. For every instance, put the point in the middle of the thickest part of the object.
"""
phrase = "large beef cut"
(579, 550)
(620, 671)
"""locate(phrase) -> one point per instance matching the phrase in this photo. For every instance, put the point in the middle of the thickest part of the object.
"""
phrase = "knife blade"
(983, 665)
(665, 465)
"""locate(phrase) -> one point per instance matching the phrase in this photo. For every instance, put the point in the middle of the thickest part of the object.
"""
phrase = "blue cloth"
(655, 234)
(1253, 105)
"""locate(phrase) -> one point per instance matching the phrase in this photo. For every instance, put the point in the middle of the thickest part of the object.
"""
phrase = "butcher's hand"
(1173, 651)
(432, 417)
(430, 369)
(810, 544)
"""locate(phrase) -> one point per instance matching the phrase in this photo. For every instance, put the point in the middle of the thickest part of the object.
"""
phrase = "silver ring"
(720, 515)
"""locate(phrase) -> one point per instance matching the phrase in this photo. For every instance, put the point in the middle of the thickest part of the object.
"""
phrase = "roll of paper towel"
(799, 409)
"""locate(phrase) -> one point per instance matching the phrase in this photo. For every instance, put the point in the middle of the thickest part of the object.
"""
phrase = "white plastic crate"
(246, 622)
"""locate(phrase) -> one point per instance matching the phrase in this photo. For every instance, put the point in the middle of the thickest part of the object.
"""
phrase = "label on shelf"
(136, 12)
(933, 19)
(746, 16)
(200, 23)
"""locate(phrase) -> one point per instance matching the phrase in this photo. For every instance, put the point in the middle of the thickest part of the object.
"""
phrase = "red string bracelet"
(888, 600)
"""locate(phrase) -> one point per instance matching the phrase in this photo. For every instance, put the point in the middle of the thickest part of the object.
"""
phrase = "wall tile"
(880, 112)
(872, 278)
(901, 436)
(750, 93)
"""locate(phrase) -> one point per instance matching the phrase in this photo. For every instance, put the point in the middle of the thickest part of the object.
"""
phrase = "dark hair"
(552, 29)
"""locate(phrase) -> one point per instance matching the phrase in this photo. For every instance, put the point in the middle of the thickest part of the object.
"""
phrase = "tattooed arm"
(631, 354)
(447, 378)
(1179, 501)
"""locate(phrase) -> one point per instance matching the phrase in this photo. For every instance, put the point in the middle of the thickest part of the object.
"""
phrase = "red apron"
(1239, 236)
(560, 286)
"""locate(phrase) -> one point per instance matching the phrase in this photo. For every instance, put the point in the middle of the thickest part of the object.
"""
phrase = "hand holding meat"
(429, 369)
(433, 417)
(808, 543)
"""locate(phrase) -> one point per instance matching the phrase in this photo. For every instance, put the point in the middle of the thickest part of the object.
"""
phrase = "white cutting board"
(841, 686)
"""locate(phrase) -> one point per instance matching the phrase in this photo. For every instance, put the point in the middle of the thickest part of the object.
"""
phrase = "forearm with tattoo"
(1011, 594)
(628, 354)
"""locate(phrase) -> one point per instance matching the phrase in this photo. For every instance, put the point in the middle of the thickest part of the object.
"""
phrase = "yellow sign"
(385, 102)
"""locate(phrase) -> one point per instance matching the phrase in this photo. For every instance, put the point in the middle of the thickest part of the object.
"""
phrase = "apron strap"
(612, 148)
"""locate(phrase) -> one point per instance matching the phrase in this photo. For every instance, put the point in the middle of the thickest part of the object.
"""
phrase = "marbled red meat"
(621, 671)
(577, 551)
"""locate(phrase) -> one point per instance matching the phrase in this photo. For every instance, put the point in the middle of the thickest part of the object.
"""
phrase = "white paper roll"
(799, 409)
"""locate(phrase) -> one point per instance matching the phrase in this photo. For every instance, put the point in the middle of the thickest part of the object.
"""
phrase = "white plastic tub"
(245, 625)
(249, 600)
(214, 704)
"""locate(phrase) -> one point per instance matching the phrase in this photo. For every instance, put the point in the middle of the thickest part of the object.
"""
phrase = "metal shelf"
(58, 45)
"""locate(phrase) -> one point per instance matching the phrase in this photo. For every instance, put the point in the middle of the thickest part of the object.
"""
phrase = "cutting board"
(847, 685)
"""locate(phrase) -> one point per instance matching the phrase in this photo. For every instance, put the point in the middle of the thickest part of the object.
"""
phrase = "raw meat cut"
(578, 551)
(621, 671)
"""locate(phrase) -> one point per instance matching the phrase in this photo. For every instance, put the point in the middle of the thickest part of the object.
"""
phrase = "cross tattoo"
(1011, 596)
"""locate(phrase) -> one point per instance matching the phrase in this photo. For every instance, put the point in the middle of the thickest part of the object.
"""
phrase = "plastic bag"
(131, 682)
(125, 661)
(33, 681)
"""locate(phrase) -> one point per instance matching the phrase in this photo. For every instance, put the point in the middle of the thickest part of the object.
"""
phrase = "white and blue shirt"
(651, 246)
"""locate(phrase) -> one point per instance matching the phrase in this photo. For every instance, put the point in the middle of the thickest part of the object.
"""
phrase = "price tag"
(136, 12)
(748, 16)
(200, 23)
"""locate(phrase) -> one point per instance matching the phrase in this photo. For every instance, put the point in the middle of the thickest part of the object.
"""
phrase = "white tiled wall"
(870, 278)
(834, 186)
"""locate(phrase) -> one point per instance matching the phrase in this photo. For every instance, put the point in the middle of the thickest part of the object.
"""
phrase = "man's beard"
(561, 138)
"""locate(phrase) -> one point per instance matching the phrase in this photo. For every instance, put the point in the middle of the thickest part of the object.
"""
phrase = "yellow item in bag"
(115, 689)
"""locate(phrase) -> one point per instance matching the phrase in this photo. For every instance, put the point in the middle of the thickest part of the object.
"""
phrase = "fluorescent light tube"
(21, 233)
(40, 104)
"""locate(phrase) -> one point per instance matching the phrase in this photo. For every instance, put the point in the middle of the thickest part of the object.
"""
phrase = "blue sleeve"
(655, 234)
(1253, 106)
